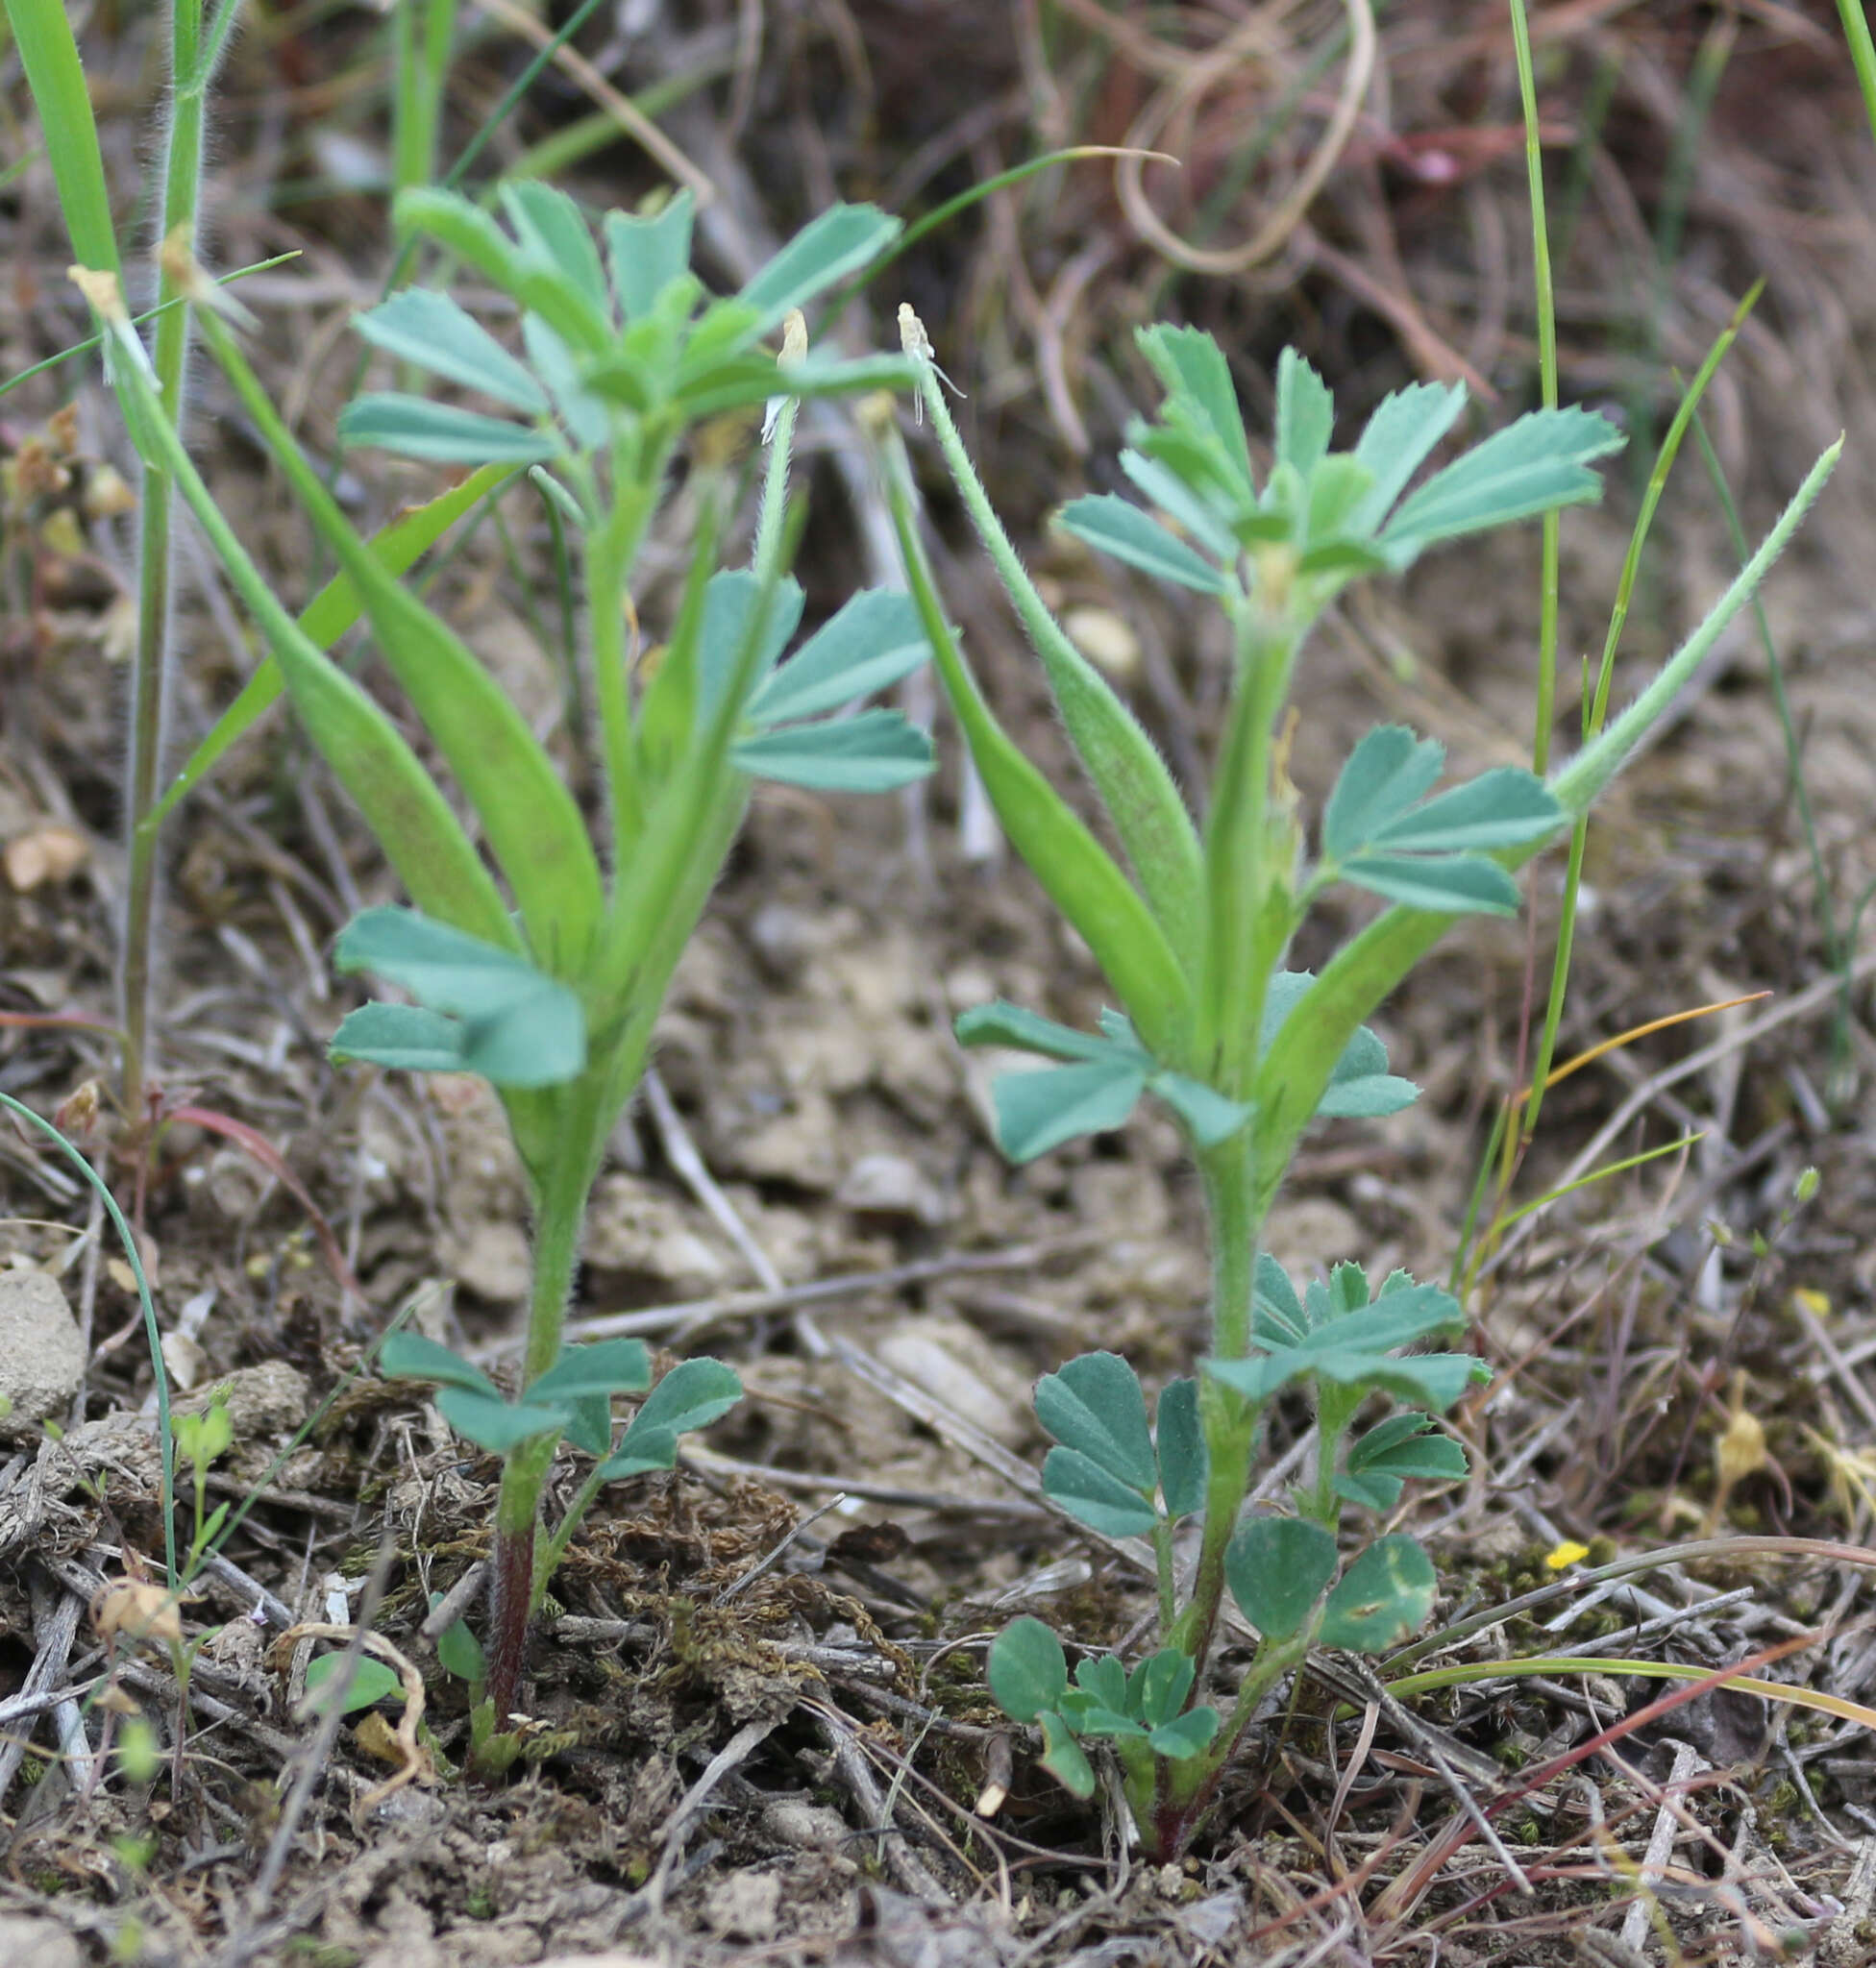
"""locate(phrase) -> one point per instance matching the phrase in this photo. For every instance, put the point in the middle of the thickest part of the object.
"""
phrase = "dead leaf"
(136, 1612)
(50, 853)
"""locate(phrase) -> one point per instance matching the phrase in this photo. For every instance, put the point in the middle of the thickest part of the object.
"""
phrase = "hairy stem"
(1230, 1421)
(191, 68)
(561, 1210)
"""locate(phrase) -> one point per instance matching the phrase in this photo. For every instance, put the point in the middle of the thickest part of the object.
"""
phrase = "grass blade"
(48, 52)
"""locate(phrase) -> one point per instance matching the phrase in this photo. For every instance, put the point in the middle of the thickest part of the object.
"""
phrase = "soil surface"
(759, 1728)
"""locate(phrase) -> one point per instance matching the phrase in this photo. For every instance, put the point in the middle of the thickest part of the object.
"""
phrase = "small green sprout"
(1192, 924)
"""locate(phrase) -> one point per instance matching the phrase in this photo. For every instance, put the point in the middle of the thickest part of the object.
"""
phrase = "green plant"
(1245, 1052)
(549, 991)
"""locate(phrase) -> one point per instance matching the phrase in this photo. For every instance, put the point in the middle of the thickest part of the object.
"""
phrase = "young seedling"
(1245, 1052)
(547, 987)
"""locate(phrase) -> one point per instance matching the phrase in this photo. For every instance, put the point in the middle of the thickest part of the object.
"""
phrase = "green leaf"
(1337, 489)
(525, 272)
(1383, 777)
(1194, 370)
(497, 1426)
(400, 1038)
(1362, 1088)
(409, 1356)
(1104, 1681)
(585, 414)
(692, 1396)
(550, 225)
(729, 603)
(520, 1028)
(414, 427)
(1179, 1445)
(1381, 1599)
(1207, 1113)
(1063, 1757)
(1375, 838)
(1506, 808)
(1002, 1023)
(640, 1451)
(1279, 1315)
(647, 254)
(1181, 503)
(1184, 1736)
(1027, 1670)
(1396, 1318)
(874, 640)
(1277, 1568)
(1112, 526)
(1352, 1349)
(606, 1368)
(1459, 884)
(1305, 415)
(589, 1424)
(873, 751)
(434, 332)
(1094, 1405)
(1159, 1686)
(1399, 1450)
(825, 250)
(1095, 1497)
(1399, 438)
(1040, 1111)
(459, 1652)
(1347, 1292)
(1085, 1718)
(1538, 463)
(372, 1681)
(1115, 1066)
(55, 73)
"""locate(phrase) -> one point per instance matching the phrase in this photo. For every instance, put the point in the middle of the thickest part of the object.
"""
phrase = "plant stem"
(560, 1211)
(189, 70)
(1228, 1419)
(611, 548)
(511, 1582)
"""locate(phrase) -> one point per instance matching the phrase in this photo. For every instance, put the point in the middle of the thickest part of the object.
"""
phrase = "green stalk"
(1546, 316)
(1230, 1421)
(1862, 53)
(1596, 708)
(611, 551)
(422, 66)
(559, 1211)
(1240, 878)
(191, 68)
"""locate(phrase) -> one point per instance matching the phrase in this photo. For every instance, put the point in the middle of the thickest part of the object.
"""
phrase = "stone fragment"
(27, 1942)
(41, 1357)
(942, 1371)
(882, 1185)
